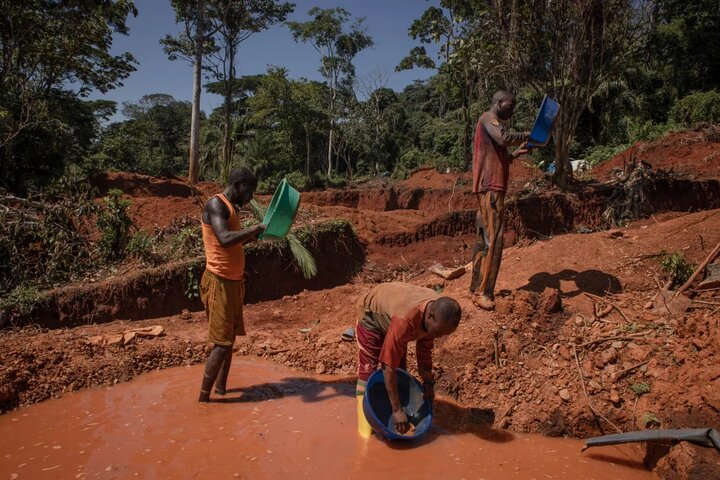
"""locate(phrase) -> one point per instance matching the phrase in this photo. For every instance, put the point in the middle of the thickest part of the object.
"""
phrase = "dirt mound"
(156, 202)
(429, 177)
(137, 185)
(522, 171)
(695, 152)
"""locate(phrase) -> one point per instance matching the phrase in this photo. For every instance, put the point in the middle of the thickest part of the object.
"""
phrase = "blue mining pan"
(378, 411)
(544, 122)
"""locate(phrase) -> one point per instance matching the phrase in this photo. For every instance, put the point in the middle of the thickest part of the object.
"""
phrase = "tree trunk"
(227, 140)
(330, 144)
(333, 92)
(307, 153)
(226, 136)
(563, 170)
(467, 153)
(194, 167)
(467, 100)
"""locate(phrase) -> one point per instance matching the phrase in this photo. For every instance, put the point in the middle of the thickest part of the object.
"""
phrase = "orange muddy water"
(273, 423)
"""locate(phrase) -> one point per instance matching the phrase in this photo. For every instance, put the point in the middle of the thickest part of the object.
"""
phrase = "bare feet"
(484, 302)
(204, 396)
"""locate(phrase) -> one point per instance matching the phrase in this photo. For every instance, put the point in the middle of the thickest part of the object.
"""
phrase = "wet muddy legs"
(216, 368)
(487, 254)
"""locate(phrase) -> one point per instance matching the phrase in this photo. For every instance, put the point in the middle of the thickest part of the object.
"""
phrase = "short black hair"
(447, 310)
(243, 175)
(502, 95)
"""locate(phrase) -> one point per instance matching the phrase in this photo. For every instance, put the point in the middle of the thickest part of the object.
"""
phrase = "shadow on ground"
(308, 389)
(590, 281)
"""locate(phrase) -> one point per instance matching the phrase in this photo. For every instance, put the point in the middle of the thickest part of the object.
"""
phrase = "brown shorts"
(223, 300)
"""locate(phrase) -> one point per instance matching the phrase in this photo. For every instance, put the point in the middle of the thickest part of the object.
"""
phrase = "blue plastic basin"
(378, 411)
(544, 122)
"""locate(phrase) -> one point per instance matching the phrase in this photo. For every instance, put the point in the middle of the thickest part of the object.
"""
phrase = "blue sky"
(387, 21)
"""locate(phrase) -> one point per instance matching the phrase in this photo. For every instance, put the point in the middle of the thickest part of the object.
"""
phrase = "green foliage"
(640, 388)
(337, 46)
(114, 224)
(142, 247)
(41, 153)
(334, 180)
(675, 266)
(187, 242)
(152, 141)
(648, 131)
(231, 23)
(697, 107)
(650, 420)
(44, 125)
(298, 180)
(281, 126)
(43, 239)
(192, 287)
(20, 300)
(288, 120)
(303, 257)
(600, 153)
(684, 41)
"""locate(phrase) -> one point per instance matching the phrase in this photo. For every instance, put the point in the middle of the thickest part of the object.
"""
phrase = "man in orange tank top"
(491, 171)
(222, 287)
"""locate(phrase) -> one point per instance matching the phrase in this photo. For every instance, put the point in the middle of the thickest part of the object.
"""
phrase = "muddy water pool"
(274, 423)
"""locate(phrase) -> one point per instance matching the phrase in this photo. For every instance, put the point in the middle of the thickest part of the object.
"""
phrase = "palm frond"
(302, 256)
(257, 210)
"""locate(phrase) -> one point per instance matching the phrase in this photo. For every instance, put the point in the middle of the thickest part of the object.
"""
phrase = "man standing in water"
(222, 288)
(491, 169)
(391, 315)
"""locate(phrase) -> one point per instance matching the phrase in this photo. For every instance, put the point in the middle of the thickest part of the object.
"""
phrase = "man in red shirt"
(491, 169)
(391, 316)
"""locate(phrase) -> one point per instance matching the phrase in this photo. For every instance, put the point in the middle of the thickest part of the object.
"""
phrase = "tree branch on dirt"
(629, 337)
(587, 398)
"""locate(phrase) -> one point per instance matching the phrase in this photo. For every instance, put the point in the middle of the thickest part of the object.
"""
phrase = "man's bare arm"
(391, 385)
(216, 210)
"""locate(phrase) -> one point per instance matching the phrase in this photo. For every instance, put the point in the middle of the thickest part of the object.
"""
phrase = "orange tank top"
(228, 263)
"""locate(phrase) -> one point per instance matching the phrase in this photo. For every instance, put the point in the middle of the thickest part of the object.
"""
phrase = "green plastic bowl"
(281, 212)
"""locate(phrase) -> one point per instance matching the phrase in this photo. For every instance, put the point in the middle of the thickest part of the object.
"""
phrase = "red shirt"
(491, 159)
(403, 330)
(396, 310)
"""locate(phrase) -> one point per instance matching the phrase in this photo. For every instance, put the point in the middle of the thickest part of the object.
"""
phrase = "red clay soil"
(535, 384)
(518, 363)
(370, 225)
(430, 178)
(695, 152)
(156, 202)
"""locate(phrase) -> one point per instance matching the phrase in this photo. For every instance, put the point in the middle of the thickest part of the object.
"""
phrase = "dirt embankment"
(695, 153)
(383, 234)
(170, 288)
